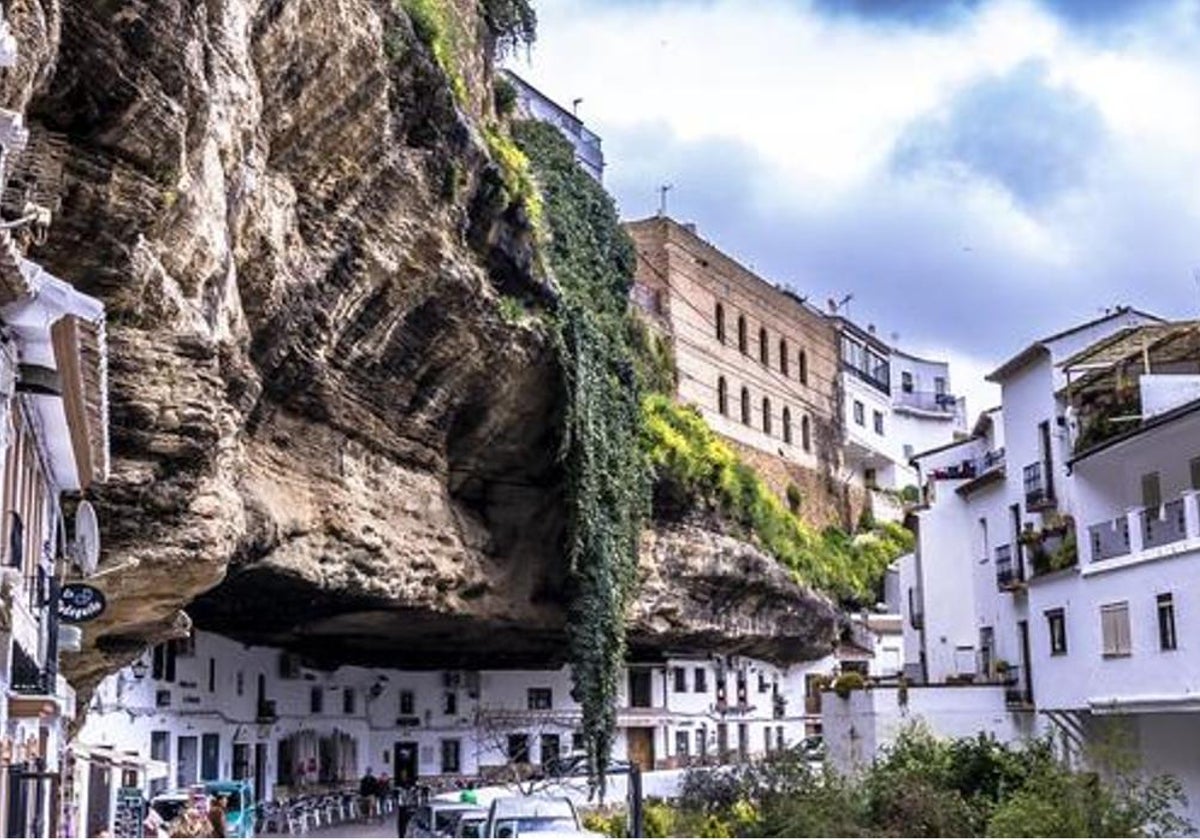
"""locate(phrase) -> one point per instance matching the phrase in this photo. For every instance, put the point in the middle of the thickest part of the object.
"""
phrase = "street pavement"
(387, 828)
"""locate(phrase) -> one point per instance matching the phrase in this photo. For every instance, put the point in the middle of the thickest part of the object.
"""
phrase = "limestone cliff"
(316, 403)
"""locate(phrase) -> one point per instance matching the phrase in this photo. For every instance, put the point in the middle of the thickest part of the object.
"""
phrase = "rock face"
(316, 405)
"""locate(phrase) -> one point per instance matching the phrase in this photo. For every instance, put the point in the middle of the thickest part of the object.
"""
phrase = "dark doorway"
(260, 772)
(99, 793)
(1026, 663)
(187, 769)
(241, 761)
(210, 757)
(405, 759)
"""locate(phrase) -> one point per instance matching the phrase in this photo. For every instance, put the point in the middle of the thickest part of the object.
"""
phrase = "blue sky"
(974, 172)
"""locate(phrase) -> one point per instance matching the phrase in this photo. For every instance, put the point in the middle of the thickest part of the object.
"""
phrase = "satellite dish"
(87, 539)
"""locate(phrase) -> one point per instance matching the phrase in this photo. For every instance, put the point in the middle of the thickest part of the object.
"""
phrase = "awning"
(153, 768)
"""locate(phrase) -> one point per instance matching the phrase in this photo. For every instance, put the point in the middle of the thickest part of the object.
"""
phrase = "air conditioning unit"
(289, 666)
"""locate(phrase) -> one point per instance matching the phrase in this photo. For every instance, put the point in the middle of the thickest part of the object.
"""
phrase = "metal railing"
(880, 383)
(1109, 539)
(1008, 569)
(1163, 526)
(927, 401)
(1015, 691)
(1037, 488)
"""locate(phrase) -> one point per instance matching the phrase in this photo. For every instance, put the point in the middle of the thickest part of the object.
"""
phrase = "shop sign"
(80, 602)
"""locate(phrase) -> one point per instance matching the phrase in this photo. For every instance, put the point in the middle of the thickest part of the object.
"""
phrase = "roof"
(1177, 413)
(980, 481)
(1156, 344)
(1038, 347)
(942, 448)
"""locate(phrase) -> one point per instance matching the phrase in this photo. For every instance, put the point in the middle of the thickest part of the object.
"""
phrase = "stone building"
(758, 361)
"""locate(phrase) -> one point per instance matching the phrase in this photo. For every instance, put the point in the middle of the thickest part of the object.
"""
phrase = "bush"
(845, 683)
(504, 97)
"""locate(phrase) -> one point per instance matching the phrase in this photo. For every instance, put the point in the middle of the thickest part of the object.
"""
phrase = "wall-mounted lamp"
(139, 668)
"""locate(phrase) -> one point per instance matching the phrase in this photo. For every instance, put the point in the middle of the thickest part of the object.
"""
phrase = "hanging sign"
(79, 602)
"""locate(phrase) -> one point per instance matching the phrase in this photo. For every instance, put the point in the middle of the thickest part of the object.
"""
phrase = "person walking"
(368, 792)
(216, 815)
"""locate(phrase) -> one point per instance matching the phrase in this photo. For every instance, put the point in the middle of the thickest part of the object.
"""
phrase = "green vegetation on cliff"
(694, 468)
(592, 260)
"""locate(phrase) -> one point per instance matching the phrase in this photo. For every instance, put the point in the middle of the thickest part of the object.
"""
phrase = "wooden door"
(641, 747)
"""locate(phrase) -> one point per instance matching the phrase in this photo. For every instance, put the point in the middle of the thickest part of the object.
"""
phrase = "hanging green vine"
(592, 260)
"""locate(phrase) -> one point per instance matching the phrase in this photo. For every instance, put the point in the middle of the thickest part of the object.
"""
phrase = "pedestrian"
(216, 815)
(368, 791)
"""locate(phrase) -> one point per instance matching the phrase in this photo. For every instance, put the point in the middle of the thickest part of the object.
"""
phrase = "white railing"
(1172, 526)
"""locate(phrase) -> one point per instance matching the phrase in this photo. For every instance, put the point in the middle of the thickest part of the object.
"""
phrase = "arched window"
(787, 424)
(722, 396)
(783, 359)
(764, 349)
(746, 406)
(720, 318)
(766, 415)
(803, 368)
(742, 333)
(805, 434)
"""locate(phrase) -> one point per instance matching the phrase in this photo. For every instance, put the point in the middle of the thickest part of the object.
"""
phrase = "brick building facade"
(760, 363)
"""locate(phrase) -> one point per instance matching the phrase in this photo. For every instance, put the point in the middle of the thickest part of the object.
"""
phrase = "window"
(742, 343)
(860, 413)
(1195, 468)
(450, 703)
(212, 674)
(763, 685)
(720, 319)
(241, 683)
(163, 662)
(680, 680)
(722, 396)
(451, 754)
(764, 348)
(1056, 622)
(787, 425)
(316, 701)
(700, 681)
(766, 739)
(407, 703)
(939, 385)
(1166, 621)
(870, 478)
(783, 357)
(805, 434)
(348, 701)
(210, 756)
(539, 698)
(701, 742)
(1151, 491)
(681, 743)
(877, 420)
(906, 382)
(803, 365)
(908, 452)
(518, 748)
(1114, 629)
(766, 411)
(746, 406)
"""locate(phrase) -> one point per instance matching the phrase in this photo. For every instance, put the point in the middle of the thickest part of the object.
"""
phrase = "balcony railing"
(1164, 525)
(1009, 573)
(933, 401)
(1015, 691)
(880, 379)
(1037, 486)
(1145, 529)
(970, 467)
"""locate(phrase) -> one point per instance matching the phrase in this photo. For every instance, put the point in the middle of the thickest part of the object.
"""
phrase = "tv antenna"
(662, 198)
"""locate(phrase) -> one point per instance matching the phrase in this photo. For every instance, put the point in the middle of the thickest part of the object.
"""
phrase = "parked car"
(469, 823)
(437, 819)
(517, 816)
(239, 806)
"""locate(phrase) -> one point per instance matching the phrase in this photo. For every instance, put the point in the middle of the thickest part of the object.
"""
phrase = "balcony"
(1010, 573)
(878, 379)
(1015, 691)
(1039, 493)
(934, 402)
(1146, 533)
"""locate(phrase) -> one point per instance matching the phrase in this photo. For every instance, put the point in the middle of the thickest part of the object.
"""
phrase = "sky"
(975, 173)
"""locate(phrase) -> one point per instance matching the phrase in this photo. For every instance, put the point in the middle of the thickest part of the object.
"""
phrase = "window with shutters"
(1114, 629)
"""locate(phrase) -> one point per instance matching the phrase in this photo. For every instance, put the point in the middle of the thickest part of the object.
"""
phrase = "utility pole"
(662, 199)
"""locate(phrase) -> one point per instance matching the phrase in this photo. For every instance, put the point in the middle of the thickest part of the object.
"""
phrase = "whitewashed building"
(534, 104)
(1052, 571)
(894, 404)
(209, 707)
(53, 440)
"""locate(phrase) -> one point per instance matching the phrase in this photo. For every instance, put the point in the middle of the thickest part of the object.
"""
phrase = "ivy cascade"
(592, 260)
